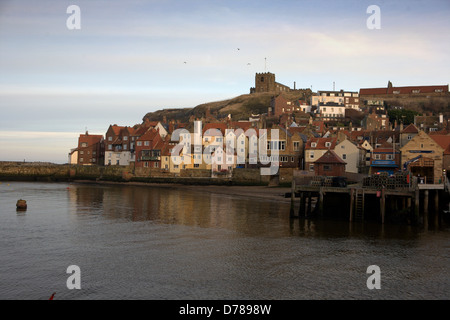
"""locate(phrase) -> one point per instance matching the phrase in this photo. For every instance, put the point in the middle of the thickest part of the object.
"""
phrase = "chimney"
(441, 118)
(294, 85)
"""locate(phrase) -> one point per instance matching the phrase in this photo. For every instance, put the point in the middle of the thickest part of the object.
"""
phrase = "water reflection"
(185, 206)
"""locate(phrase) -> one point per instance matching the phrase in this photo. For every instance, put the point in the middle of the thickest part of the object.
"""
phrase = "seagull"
(238, 49)
(185, 62)
(248, 63)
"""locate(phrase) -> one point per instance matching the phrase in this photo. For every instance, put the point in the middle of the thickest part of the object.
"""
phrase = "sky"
(133, 57)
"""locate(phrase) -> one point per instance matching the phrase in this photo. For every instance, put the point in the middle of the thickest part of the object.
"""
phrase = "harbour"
(145, 242)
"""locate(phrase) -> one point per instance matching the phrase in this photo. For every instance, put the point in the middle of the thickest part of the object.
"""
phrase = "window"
(146, 143)
(296, 145)
(196, 165)
(139, 143)
(109, 138)
(81, 152)
(313, 144)
(125, 138)
(311, 167)
(326, 167)
(84, 144)
(175, 166)
(344, 156)
(156, 165)
(219, 139)
(327, 144)
(146, 164)
(117, 162)
(311, 155)
(81, 159)
(389, 157)
(377, 156)
(409, 137)
(124, 147)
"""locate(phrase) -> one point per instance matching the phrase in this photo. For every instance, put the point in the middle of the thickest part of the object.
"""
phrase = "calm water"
(135, 242)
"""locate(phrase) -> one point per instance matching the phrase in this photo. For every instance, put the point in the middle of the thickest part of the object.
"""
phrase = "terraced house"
(316, 148)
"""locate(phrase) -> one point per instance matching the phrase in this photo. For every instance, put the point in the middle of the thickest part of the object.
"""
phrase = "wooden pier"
(396, 199)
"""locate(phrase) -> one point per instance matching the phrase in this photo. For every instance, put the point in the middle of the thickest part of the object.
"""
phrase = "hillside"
(240, 108)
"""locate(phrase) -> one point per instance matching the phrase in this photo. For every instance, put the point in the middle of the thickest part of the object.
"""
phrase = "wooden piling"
(382, 205)
(301, 209)
(292, 198)
(436, 208)
(425, 209)
(417, 204)
(320, 202)
(308, 210)
(352, 192)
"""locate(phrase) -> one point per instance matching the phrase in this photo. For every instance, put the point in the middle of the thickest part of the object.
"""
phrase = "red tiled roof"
(116, 129)
(443, 141)
(149, 135)
(90, 139)
(321, 143)
(215, 125)
(402, 90)
(411, 128)
(330, 157)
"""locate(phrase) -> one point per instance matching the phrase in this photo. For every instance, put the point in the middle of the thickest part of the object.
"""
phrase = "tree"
(402, 115)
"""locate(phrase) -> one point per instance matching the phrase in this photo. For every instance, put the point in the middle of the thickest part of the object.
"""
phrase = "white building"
(350, 153)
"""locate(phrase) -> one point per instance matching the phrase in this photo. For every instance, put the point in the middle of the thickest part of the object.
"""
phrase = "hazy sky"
(129, 58)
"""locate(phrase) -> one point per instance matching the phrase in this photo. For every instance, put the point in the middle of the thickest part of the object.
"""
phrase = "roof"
(321, 143)
(411, 128)
(215, 125)
(443, 141)
(90, 139)
(330, 157)
(150, 134)
(116, 129)
(403, 90)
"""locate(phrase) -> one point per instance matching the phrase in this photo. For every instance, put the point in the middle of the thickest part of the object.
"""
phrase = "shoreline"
(263, 192)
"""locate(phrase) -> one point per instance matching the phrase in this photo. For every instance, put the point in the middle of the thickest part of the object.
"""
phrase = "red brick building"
(91, 149)
(148, 149)
(330, 164)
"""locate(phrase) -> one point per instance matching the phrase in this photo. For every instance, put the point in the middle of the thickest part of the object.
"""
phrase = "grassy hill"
(240, 108)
